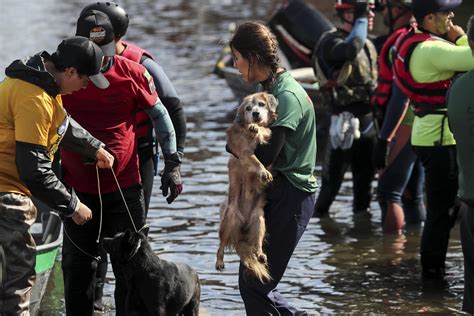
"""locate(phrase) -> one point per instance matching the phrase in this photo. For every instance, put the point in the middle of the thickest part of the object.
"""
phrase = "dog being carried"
(242, 216)
(154, 286)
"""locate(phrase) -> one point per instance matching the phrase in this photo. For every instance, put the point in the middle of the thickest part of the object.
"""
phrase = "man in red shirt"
(110, 117)
(167, 92)
(147, 151)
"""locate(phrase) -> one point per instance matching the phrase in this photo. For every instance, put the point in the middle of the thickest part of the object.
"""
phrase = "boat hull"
(45, 259)
(48, 239)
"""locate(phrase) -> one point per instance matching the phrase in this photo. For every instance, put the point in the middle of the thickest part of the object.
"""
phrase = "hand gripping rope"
(98, 258)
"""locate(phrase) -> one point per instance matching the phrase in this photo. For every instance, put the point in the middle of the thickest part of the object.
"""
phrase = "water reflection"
(342, 264)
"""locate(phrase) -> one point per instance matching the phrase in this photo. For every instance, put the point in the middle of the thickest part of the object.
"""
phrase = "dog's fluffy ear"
(272, 102)
(239, 116)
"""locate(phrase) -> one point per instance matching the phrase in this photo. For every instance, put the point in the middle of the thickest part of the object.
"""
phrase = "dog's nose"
(255, 114)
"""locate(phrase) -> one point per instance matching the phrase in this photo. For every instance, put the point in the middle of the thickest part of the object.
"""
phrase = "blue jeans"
(287, 212)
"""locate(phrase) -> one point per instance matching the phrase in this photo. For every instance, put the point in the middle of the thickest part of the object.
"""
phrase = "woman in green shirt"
(292, 155)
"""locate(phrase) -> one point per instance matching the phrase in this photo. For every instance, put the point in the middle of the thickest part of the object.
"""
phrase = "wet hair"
(256, 43)
(470, 29)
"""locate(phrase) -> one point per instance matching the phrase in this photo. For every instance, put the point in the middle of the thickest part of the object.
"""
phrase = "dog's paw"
(253, 128)
(220, 265)
(262, 258)
(266, 176)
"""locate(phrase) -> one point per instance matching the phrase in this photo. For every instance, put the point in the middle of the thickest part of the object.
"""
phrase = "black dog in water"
(154, 286)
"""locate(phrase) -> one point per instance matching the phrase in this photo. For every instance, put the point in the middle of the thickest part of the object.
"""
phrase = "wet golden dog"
(242, 219)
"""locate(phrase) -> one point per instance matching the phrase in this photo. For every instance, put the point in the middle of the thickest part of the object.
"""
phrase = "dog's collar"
(135, 250)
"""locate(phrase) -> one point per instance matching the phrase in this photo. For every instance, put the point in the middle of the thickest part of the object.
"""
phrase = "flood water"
(342, 264)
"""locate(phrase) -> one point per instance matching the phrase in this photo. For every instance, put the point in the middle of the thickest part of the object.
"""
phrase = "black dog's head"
(165, 287)
(123, 246)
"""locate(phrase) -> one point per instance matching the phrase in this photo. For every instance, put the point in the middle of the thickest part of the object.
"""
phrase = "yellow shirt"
(27, 114)
(433, 61)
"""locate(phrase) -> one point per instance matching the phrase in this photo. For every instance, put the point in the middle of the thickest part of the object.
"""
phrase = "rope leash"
(98, 258)
(123, 198)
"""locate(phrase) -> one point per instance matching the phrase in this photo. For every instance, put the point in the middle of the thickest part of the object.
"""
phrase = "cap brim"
(109, 49)
(99, 81)
(451, 5)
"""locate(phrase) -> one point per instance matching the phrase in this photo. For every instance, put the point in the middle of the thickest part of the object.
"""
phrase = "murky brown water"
(342, 265)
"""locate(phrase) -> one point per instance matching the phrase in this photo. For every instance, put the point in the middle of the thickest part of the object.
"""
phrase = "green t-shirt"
(297, 159)
(461, 119)
(433, 61)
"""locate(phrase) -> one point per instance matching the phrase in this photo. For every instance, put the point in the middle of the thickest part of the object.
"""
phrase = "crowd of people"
(405, 104)
(397, 107)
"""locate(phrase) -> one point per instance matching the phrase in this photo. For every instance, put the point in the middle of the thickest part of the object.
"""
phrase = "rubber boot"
(394, 219)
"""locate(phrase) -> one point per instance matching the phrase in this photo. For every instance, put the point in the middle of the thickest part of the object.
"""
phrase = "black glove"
(380, 154)
(171, 177)
(361, 9)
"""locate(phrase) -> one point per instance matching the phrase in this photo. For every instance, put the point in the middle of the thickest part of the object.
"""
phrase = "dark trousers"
(336, 163)
(441, 183)
(148, 165)
(147, 173)
(80, 246)
(467, 242)
(287, 212)
(402, 182)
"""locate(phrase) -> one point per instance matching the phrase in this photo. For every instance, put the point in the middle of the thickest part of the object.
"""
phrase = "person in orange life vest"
(147, 153)
(33, 124)
(110, 116)
(427, 58)
(147, 150)
(401, 177)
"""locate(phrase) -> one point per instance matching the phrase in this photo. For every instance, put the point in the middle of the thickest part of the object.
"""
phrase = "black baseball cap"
(96, 26)
(81, 53)
(422, 8)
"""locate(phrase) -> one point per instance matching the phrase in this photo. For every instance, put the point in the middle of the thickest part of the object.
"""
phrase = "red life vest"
(135, 53)
(385, 78)
(144, 125)
(426, 97)
(109, 115)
